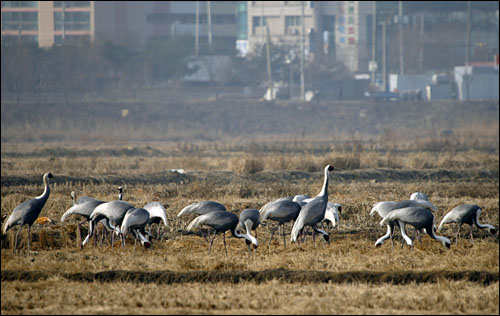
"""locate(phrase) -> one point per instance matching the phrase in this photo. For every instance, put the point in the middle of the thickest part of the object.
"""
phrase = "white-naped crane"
(113, 212)
(157, 214)
(314, 212)
(466, 214)
(120, 193)
(202, 207)
(332, 213)
(249, 219)
(84, 208)
(81, 199)
(419, 196)
(282, 211)
(300, 199)
(135, 221)
(386, 207)
(417, 217)
(220, 222)
(27, 212)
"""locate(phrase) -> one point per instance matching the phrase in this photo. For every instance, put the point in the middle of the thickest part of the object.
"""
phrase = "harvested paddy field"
(177, 276)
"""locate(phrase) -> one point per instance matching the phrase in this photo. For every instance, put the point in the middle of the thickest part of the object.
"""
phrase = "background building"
(127, 23)
(47, 22)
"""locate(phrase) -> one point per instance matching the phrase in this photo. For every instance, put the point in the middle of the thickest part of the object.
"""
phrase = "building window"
(72, 39)
(350, 20)
(352, 40)
(351, 10)
(157, 18)
(19, 4)
(257, 21)
(72, 4)
(350, 30)
(73, 21)
(9, 40)
(293, 21)
(20, 21)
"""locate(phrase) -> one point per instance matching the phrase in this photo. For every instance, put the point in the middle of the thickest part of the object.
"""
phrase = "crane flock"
(121, 218)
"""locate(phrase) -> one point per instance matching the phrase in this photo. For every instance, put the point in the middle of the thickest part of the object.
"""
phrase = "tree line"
(101, 66)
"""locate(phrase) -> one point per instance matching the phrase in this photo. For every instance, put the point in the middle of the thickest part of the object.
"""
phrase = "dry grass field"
(177, 276)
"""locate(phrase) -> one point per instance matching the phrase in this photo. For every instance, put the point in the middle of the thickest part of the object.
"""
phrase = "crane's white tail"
(427, 204)
(8, 223)
(155, 209)
(185, 210)
(297, 226)
(375, 208)
(389, 217)
(196, 222)
(67, 213)
(444, 220)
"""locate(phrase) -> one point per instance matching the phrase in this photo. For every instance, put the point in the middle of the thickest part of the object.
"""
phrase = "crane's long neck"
(478, 224)
(248, 237)
(445, 241)
(73, 197)
(324, 190)
(46, 191)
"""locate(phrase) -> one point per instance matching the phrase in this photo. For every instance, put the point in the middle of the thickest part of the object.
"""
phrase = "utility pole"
(384, 55)
(400, 24)
(209, 21)
(197, 27)
(262, 22)
(268, 58)
(63, 21)
(302, 83)
(374, 36)
(421, 55)
(467, 51)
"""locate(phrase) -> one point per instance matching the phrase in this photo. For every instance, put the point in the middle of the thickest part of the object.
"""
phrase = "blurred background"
(116, 71)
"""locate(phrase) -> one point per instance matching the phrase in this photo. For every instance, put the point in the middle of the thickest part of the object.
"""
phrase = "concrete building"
(339, 29)
(47, 22)
(134, 22)
(129, 23)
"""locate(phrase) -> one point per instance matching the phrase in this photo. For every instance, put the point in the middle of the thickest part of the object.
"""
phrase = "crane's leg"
(272, 233)
(471, 238)
(456, 237)
(392, 234)
(78, 235)
(95, 235)
(135, 242)
(283, 232)
(15, 242)
(224, 238)
(405, 236)
(112, 239)
(29, 237)
(212, 242)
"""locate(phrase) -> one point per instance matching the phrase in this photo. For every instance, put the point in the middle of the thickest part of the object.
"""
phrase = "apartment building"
(129, 23)
(47, 22)
(339, 29)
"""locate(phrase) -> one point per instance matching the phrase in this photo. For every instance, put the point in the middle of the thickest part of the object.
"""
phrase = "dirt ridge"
(225, 177)
(282, 275)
